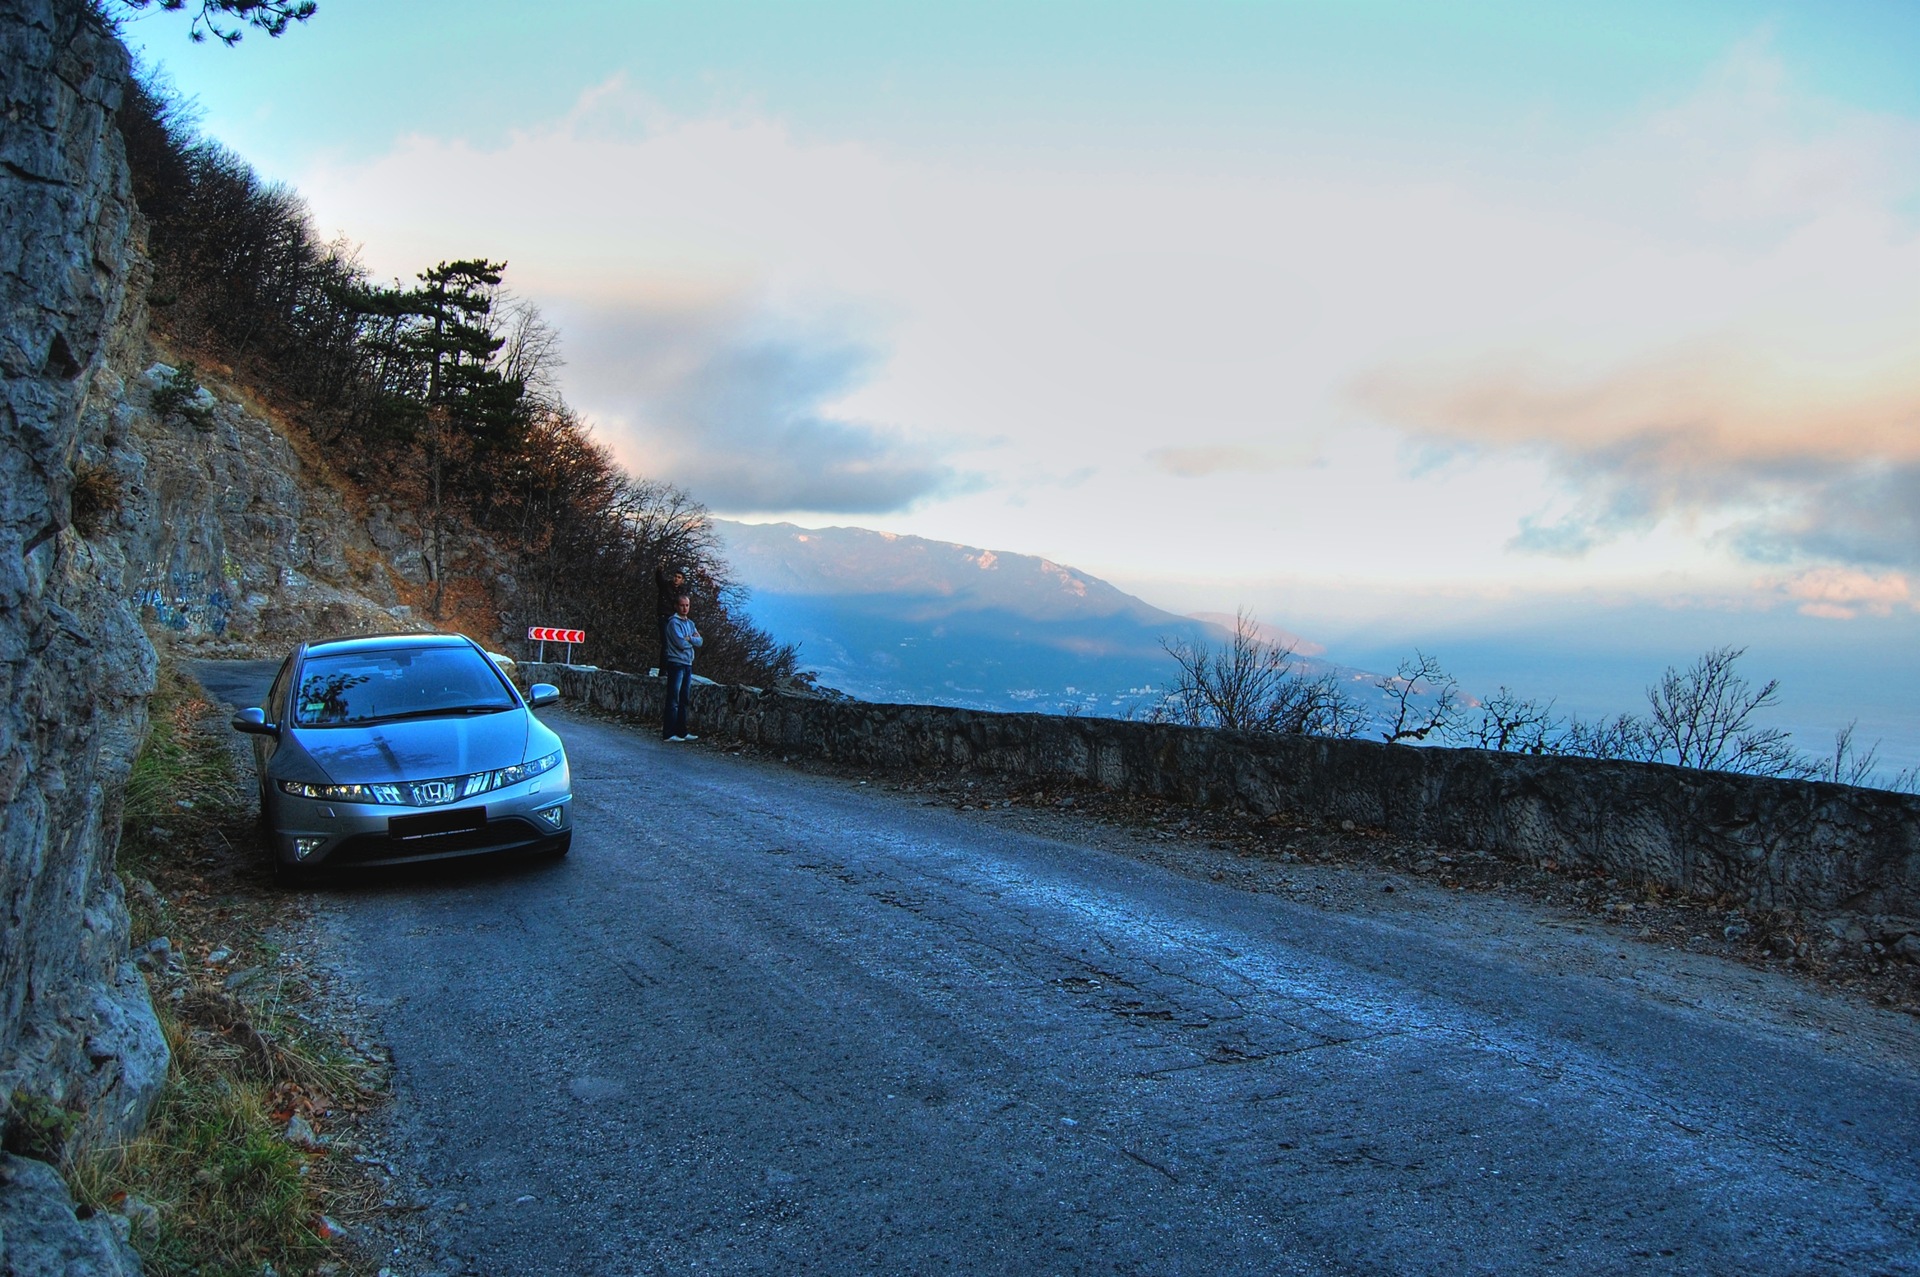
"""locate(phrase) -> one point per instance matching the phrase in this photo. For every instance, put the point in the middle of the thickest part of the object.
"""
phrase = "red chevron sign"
(547, 634)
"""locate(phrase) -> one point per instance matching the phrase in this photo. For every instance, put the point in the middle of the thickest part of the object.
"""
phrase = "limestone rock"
(75, 668)
(41, 1236)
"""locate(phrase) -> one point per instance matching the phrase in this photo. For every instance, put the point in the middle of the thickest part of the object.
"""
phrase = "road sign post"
(541, 634)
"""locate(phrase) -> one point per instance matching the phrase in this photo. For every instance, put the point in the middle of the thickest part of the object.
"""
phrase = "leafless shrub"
(98, 494)
(1848, 764)
(1254, 685)
(1422, 699)
(1508, 721)
(1703, 717)
(1622, 736)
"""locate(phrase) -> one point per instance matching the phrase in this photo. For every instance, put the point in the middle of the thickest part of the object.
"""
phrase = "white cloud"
(796, 320)
(739, 414)
(1842, 594)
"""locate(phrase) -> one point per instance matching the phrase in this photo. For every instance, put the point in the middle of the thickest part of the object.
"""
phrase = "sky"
(1567, 339)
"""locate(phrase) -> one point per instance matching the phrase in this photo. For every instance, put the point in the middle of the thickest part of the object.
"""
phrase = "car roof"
(384, 643)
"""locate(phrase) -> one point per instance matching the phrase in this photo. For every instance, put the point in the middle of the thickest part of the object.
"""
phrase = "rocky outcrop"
(1773, 843)
(231, 541)
(42, 1236)
(76, 1029)
(114, 511)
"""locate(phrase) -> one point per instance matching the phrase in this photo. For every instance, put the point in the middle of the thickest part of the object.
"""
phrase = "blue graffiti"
(183, 601)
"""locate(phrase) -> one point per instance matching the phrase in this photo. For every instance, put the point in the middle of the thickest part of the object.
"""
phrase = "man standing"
(676, 663)
(666, 588)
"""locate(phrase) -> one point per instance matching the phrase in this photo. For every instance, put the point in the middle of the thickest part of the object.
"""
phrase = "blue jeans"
(673, 706)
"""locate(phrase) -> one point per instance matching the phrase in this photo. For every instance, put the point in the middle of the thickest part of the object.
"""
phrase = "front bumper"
(531, 817)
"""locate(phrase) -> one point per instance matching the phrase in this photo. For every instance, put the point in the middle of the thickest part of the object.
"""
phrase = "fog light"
(552, 815)
(304, 847)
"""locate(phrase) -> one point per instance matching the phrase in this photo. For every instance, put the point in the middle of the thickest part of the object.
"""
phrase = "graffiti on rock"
(185, 601)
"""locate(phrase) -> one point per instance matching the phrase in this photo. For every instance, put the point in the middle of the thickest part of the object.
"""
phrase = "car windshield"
(366, 687)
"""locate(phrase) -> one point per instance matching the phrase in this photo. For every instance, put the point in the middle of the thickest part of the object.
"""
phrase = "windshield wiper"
(453, 711)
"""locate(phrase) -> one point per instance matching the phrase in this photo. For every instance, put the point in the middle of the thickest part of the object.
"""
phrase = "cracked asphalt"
(762, 1021)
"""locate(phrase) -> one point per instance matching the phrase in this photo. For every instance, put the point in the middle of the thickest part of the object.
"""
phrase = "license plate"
(433, 824)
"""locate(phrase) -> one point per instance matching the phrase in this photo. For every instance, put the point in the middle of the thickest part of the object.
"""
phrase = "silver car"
(404, 747)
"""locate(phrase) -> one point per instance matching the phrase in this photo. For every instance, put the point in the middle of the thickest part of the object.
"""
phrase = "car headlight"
(343, 793)
(425, 793)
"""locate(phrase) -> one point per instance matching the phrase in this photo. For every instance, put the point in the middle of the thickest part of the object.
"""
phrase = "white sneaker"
(689, 736)
(671, 739)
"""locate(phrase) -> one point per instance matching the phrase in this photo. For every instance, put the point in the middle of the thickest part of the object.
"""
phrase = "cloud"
(1205, 461)
(1708, 323)
(736, 407)
(1784, 462)
(1759, 389)
(1749, 147)
(1842, 594)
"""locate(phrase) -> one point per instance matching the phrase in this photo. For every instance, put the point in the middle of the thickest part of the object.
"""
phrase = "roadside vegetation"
(1704, 716)
(246, 1165)
(436, 397)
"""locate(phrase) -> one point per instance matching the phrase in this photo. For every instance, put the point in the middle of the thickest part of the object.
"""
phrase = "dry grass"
(230, 1192)
(98, 494)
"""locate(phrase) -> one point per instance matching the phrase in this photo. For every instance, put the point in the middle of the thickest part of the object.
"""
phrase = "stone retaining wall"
(1767, 842)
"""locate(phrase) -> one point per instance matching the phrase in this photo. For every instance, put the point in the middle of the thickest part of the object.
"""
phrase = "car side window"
(276, 706)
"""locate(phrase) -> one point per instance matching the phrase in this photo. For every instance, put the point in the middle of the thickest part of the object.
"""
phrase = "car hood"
(415, 749)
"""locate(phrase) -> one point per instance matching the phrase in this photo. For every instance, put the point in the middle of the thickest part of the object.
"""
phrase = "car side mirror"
(542, 694)
(254, 723)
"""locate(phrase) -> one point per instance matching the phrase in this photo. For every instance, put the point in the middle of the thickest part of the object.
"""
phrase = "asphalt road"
(766, 1022)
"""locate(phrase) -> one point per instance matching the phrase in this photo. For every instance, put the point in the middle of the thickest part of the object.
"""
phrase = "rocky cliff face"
(75, 1024)
(230, 541)
(204, 523)
(76, 1028)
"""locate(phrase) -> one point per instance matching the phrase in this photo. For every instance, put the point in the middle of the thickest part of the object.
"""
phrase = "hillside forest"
(437, 396)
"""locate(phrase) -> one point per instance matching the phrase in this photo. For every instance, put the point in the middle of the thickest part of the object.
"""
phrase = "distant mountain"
(1225, 622)
(902, 618)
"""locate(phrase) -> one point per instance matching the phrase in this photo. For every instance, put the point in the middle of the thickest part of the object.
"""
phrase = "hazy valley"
(904, 618)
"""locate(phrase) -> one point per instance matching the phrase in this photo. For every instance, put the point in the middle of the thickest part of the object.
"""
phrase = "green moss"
(38, 1128)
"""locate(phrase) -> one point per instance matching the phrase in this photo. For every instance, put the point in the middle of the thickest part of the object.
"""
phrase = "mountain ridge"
(890, 616)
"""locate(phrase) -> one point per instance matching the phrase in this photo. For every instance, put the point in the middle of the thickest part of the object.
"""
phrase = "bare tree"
(1253, 685)
(1508, 721)
(1421, 699)
(1625, 736)
(1703, 717)
(1229, 686)
(531, 356)
(1848, 764)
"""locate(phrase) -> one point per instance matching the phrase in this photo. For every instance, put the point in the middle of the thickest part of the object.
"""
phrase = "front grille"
(510, 834)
